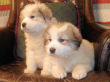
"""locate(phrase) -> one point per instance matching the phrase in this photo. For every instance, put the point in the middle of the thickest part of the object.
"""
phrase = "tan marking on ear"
(46, 35)
(35, 11)
(66, 30)
(45, 12)
(60, 24)
(76, 35)
(21, 17)
(72, 32)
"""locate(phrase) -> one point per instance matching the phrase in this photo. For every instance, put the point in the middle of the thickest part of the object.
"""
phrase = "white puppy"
(67, 52)
(35, 19)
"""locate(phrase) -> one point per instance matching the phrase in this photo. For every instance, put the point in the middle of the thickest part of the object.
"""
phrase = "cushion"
(102, 11)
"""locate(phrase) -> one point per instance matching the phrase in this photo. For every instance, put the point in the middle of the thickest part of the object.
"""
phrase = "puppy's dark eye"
(61, 40)
(50, 40)
(32, 17)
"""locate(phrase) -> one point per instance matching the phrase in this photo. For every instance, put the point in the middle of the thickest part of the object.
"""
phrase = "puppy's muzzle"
(52, 50)
(23, 25)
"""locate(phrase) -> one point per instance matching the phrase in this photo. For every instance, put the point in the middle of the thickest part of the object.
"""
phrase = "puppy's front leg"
(46, 71)
(30, 62)
(58, 72)
(80, 71)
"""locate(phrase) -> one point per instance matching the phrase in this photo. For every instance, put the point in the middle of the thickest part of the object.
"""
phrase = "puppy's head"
(35, 17)
(62, 39)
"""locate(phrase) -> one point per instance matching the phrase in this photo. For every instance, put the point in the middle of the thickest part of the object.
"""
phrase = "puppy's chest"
(67, 64)
(36, 42)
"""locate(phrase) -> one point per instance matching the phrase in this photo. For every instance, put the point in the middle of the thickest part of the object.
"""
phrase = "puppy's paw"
(59, 74)
(29, 71)
(79, 74)
(45, 73)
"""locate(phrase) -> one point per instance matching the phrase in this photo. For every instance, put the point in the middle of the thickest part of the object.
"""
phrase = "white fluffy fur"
(66, 58)
(33, 32)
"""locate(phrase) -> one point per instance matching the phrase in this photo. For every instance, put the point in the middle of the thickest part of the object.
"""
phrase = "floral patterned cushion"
(102, 11)
(4, 12)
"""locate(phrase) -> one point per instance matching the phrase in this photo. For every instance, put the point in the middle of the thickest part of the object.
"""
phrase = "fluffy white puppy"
(67, 52)
(35, 19)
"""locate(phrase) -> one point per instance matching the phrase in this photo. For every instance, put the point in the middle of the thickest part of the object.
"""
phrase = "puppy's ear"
(46, 36)
(21, 16)
(45, 12)
(77, 37)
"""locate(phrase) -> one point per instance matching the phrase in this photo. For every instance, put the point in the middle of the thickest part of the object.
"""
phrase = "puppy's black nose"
(23, 25)
(52, 50)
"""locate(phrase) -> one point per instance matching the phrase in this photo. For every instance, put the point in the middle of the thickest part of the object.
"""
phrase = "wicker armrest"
(102, 52)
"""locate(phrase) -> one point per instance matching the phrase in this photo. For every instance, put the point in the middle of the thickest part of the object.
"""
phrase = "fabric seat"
(14, 73)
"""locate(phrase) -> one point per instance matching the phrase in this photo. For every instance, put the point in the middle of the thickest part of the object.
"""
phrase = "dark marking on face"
(77, 43)
(77, 39)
